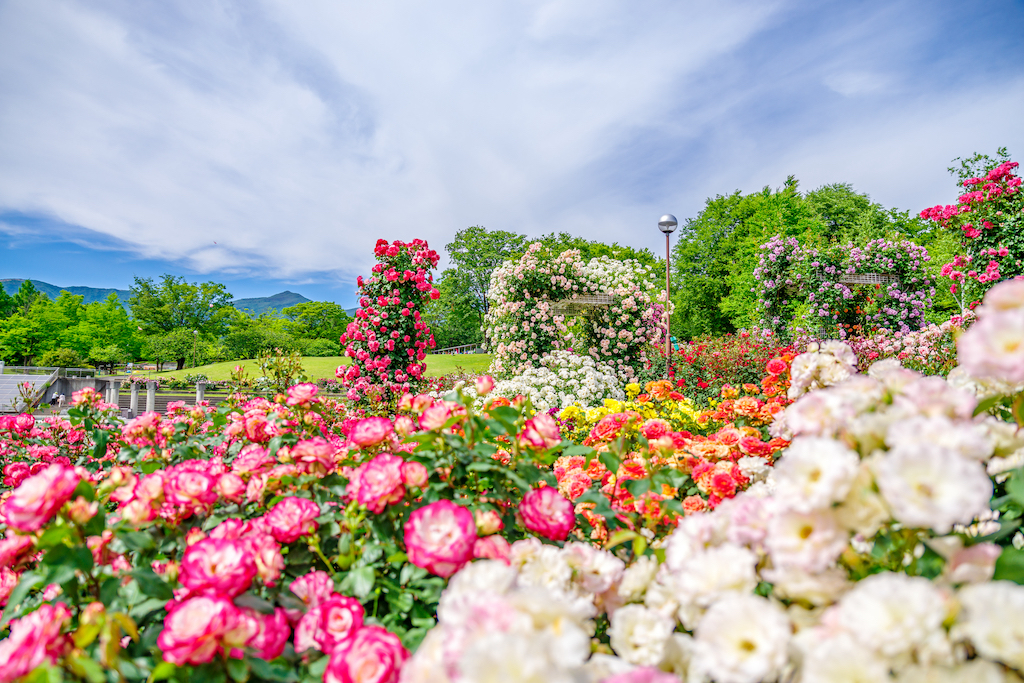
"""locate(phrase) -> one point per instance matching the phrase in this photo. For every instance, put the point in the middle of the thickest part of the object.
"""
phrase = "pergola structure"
(581, 304)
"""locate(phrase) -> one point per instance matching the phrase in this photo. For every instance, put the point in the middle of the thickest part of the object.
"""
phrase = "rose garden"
(833, 495)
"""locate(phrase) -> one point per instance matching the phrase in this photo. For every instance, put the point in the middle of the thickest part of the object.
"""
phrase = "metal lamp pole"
(667, 225)
(195, 347)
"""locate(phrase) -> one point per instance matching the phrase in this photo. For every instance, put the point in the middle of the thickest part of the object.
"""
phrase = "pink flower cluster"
(388, 340)
(39, 497)
(333, 624)
(383, 481)
(34, 639)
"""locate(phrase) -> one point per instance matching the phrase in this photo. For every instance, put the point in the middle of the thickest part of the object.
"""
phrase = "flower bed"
(289, 540)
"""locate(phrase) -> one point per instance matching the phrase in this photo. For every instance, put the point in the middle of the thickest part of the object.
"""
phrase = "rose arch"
(544, 302)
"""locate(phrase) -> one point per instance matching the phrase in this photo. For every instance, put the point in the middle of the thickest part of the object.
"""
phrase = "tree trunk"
(181, 364)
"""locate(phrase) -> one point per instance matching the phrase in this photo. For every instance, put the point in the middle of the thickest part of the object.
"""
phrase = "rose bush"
(387, 341)
(521, 326)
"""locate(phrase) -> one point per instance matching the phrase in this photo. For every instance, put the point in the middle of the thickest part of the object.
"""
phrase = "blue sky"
(268, 144)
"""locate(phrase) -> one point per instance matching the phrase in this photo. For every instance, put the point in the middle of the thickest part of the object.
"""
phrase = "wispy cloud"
(283, 138)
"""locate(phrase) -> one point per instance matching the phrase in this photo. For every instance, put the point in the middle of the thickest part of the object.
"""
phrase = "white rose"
(807, 541)
(992, 618)
(813, 473)
(637, 577)
(933, 487)
(841, 659)
(894, 614)
(741, 639)
(639, 635)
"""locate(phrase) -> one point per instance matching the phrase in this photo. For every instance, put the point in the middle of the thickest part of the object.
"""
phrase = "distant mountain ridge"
(265, 304)
(254, 306)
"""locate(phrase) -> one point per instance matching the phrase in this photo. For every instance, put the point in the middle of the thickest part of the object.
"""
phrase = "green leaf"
(359, 582)
(151, 584)
(482, 466)
(318, 667)
(238, 669)
(273, 671)
(29, 580)
(77, 558)
(147, 607)
(84, 666)
(162, 671)
(610, 461)
(987, 404)
(136, 540)
(100, 437)
(637, 487)
(53, 536)
(254, 602)
(619, 537)
(208, 673)
(577, 449)
(1010, 566)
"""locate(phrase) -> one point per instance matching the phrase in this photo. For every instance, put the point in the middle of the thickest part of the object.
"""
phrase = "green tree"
(475, 253)
(26, 295)
(453, 317)
(248, 337)
(7, 303)
(169, 312)
(317, 320)
(589, 249)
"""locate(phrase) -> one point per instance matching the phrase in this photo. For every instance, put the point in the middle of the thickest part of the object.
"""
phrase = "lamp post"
(667, 225)
(195, 347)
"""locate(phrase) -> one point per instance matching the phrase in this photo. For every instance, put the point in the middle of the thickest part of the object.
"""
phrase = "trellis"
(581, 304)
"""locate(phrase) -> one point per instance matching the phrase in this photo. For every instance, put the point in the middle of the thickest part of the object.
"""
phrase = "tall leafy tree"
(317, 320)
(167, 308)
(475, 253)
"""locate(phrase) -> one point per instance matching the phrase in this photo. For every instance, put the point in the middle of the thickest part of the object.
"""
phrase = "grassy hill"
(317, 368)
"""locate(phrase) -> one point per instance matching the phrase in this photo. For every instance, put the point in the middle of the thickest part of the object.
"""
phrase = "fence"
(457, 350)
(40, 370)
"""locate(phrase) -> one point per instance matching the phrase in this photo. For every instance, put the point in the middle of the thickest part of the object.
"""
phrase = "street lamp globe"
(668, 224)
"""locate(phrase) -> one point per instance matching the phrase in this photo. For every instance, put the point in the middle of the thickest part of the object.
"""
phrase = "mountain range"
(254, 306)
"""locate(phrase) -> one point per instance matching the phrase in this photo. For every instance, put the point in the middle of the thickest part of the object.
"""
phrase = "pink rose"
(271, 633)
(230, 487)
(371, 431)
(8, 580)
(340, 617)
(315, 456)
(487, 522)
(492, 548)
(415, 474)
(266, 553)
(373, 655)
(251, 458)
(24, 423)
(301, 394)
(547, 513)
(195, 629)
(404, 426)
(313, 589)
(484, 385)
(434, 417)
(191, 489)
(39, 497)
(34, 639)
(378, 483)
(540, 432)
(439, 537)
(292, 518)
(217, 566)
(13, 546)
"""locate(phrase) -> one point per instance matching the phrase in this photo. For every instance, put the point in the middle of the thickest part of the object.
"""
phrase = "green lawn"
(324, 367)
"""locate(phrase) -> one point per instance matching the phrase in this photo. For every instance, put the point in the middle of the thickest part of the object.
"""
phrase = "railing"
(457, 350)
(44, 370)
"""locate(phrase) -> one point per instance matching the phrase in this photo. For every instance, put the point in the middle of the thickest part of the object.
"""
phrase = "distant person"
(60, 401)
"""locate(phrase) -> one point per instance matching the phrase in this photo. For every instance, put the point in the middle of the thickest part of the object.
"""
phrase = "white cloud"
(295, 134)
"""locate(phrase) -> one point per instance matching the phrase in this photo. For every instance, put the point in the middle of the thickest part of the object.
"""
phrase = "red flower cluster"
(388, 340)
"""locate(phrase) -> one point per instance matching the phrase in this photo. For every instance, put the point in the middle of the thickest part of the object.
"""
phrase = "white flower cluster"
(815, 575)
(521, 326)
(564, 379)
(530, 620)
(822, 366)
